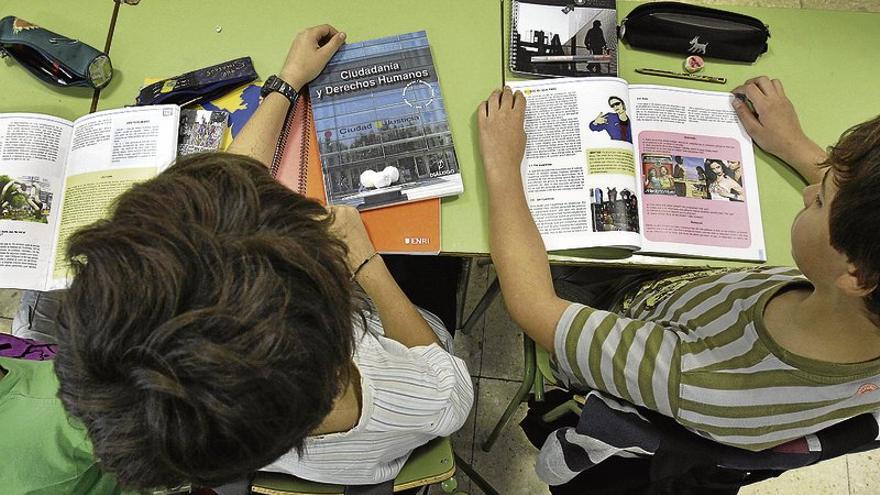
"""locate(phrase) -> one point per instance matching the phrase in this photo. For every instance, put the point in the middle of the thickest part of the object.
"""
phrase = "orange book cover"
(410, 228)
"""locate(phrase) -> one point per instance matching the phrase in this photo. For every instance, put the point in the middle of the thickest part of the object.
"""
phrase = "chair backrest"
(542, 358)
(427, 465)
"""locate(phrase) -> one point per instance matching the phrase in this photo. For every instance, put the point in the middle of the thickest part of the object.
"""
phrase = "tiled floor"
(493, 352)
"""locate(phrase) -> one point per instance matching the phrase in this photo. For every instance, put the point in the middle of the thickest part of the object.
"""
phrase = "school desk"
(22, 92)
(826, 59)
(828, 63)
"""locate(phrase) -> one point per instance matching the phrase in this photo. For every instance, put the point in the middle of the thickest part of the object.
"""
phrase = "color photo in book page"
(678, 187)
(382, 125)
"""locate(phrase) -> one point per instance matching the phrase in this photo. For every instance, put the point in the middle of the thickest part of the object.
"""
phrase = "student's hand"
(349, 228)
(774, 123)
(502, 136)
(600, 120)
(309, 53)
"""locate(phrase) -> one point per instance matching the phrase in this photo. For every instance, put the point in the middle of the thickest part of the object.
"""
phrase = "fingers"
(778, 85)
(519, 101)
(501, 99)
(506, 98)
(755, 95)
(763, 83)
(749, 121)
(322, 31)
(333, 44)
(495, 100)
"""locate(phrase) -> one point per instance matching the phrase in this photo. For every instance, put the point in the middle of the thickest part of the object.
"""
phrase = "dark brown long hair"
(208, 328)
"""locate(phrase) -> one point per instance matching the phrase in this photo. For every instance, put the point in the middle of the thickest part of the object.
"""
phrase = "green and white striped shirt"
(694, 347)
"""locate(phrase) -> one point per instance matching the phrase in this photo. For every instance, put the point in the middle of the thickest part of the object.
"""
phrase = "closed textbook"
(382, 126)
(410, 228)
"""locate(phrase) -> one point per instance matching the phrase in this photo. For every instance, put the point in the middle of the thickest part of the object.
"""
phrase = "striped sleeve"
(636, 360)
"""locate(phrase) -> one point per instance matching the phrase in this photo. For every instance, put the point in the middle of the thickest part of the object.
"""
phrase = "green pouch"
(54, 58)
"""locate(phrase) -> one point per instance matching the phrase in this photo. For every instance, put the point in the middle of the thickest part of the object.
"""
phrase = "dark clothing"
(595, 42)
(680, 463)
(430, 282)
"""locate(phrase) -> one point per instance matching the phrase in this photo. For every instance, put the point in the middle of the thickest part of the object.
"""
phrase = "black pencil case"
(54, 58)
(694, 30)
(199, 85)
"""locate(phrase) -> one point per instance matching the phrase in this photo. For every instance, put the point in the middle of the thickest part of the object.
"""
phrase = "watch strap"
(278, 85)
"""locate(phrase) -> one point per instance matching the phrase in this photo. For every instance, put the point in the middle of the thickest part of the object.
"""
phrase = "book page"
(33, 153)
(578, 171)
(699, 191)
(110, 151)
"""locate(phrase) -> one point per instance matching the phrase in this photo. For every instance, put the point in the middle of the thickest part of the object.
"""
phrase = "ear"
(850, 284)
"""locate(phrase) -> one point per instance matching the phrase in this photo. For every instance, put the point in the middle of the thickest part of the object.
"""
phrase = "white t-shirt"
(409, 397)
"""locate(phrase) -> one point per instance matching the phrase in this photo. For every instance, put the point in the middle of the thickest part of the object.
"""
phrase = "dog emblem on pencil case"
(697, 47)
(19, 25)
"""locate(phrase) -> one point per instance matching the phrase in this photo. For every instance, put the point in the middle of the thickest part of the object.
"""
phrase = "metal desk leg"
(528, 382)
(474, 476)
(488, 297)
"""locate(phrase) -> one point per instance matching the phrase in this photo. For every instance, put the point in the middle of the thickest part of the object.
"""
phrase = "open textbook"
(57, 176)
(656, 169)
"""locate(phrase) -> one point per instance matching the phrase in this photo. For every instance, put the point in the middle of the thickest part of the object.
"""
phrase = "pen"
(682, 75)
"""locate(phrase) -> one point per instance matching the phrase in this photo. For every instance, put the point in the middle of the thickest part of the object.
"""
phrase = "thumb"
(332, 45)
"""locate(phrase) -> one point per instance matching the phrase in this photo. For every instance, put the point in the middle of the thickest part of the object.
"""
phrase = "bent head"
(836, 237)
(208, 327)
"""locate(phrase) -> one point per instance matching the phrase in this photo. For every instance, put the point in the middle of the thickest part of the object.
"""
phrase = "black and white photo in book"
(564, 37)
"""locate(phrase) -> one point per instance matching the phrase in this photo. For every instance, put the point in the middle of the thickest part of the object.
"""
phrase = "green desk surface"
(23, 92)
(168, 38)
(826, 59)
(828, 63)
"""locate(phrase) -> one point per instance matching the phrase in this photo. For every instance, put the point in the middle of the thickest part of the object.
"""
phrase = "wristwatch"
(275, 83)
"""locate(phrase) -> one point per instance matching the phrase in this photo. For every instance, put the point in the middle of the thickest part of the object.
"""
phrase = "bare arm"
(775, 127)
(400, 318)
(517, 249)
(309, 53)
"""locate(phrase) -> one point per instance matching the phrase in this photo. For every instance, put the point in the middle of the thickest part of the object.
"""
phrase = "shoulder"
(41, 437)
(396, 381)
(683, 291)
(34, 379)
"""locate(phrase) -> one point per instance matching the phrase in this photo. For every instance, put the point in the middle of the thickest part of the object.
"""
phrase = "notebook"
(565, 38)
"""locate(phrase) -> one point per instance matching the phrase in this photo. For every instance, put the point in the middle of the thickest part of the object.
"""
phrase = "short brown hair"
(855, 211)
(208, 328)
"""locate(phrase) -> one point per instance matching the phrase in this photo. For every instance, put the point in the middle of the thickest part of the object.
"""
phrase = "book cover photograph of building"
(382, 126)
